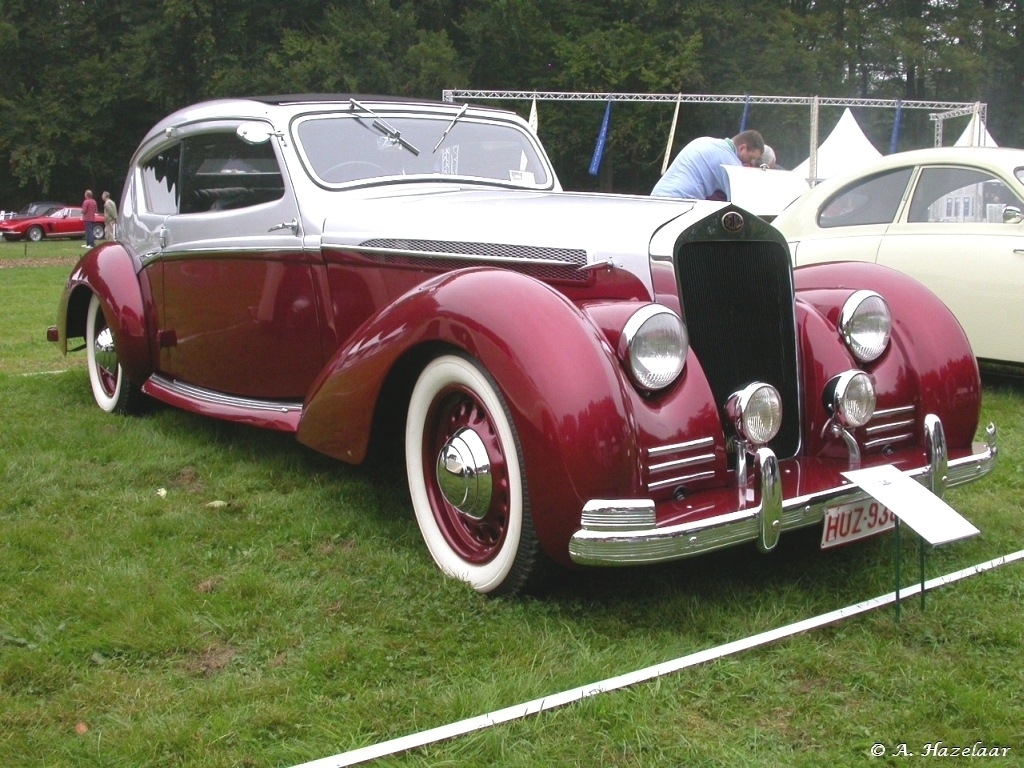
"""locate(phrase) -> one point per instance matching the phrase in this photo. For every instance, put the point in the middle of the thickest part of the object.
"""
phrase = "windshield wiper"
(450, 126)
(382, 125)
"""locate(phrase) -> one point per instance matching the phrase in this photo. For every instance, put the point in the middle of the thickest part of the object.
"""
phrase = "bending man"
(697, 171)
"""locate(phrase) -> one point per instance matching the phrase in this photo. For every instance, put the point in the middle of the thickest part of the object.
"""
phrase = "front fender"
(930, 358)
(563, 386)
(110, 273)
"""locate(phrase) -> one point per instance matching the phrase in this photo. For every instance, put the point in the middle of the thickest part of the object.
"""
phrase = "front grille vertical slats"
(737, 296)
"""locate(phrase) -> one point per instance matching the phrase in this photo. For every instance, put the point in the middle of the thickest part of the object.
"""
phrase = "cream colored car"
(951, 217)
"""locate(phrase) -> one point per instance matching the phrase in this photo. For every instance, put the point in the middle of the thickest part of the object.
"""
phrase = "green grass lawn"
(31, 278)
(178, 591)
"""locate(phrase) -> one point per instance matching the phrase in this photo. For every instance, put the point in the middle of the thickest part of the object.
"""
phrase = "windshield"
(338, 149)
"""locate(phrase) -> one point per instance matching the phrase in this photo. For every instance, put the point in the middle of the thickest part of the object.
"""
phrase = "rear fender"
(567, 395)
(110, 273)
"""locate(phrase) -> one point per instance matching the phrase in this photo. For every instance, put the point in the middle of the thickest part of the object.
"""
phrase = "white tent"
(976, 135)
(845, 149)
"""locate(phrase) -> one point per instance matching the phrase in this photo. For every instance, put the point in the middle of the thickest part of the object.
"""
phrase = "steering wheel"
(350, 170)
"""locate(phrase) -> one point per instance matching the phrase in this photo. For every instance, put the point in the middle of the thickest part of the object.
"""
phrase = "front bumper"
(623, 531)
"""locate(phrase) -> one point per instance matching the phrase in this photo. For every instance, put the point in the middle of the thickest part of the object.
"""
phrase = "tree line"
(85, 79)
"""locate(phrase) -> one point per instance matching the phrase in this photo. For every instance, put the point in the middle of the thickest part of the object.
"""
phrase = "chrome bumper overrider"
(623, 532)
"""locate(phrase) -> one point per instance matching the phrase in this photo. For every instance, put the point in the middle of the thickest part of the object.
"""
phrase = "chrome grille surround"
(738, 300)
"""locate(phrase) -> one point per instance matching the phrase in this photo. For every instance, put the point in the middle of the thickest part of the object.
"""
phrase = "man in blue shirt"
(697, 171)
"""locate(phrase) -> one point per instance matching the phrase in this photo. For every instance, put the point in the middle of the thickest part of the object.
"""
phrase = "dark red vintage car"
(57, 222)
(577, 379)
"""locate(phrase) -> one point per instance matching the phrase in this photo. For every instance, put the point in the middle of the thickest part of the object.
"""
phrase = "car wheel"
(35, 234)
(466, 479)
(98, 231)
(111, 389)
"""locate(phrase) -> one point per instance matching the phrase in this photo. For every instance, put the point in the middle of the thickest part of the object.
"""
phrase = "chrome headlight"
(865, 324)
(850, 398)
(755, 412)
(654, 343)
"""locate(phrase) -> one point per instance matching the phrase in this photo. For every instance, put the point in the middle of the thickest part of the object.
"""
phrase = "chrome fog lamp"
(755, 412)
(850, 398)
(654, 343)
(865, 324)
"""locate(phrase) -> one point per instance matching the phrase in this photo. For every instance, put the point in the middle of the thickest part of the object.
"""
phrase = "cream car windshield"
(340, 149)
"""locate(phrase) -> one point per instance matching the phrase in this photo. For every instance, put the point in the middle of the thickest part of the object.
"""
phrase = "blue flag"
(746, 113)
(894, 140)
(602, 139)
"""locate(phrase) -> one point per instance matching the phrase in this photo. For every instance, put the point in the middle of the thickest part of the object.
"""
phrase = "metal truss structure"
(940, 110)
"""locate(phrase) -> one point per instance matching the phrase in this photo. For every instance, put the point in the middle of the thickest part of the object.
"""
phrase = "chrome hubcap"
(464, 473)
(105, 352)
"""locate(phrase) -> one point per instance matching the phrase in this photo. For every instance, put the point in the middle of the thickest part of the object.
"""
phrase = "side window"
(959, 195)
(221, 172)
(160, 180)
(872, 201)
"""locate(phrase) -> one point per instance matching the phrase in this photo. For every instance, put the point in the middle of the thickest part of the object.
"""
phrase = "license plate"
(856, 520)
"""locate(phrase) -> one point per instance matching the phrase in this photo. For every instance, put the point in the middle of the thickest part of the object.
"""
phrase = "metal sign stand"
(921, 561)
(924, 512)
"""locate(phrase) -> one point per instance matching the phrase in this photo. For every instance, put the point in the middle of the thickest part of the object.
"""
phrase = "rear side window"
(220, 172)
(959, 195)
(866, 201)
(160, 180)
(211, 172)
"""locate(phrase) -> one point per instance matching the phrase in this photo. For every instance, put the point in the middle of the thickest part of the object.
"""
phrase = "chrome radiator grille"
(738, 300)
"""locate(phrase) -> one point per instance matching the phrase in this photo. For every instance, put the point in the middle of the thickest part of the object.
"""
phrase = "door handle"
(293, 225)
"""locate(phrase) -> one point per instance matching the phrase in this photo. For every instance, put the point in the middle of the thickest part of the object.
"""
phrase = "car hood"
(622, 228)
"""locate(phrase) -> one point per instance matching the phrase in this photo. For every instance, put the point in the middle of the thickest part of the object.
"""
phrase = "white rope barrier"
(412, 741)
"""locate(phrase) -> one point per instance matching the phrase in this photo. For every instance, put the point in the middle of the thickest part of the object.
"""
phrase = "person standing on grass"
(109, 216)
(89, 218)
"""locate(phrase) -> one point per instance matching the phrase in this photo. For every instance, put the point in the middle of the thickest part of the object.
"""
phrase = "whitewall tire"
(466, 479)
(110, 388)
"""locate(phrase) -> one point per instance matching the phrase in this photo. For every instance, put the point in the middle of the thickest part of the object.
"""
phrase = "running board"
(280, 415)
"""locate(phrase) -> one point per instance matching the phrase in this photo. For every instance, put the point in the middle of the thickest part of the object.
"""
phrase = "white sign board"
(930, 517)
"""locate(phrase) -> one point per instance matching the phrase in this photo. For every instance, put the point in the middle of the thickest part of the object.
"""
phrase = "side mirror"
(1012, 215)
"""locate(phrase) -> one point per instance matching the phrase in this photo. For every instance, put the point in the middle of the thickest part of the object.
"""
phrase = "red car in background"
(37, 208)
(59, 222)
